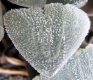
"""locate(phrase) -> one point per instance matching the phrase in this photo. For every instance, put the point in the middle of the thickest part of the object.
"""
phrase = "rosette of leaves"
(79, 67)
(47, 37)
(41, 3)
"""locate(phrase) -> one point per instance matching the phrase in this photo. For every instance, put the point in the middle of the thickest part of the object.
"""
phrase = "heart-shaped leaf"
(79, 67)
(47, 38)
(41, 3)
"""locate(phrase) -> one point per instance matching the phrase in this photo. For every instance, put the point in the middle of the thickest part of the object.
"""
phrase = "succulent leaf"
(1, 24)
(1, 32)
(78, 3)
(79, 67)
(41, 3)
(29, 3)
(47, 38)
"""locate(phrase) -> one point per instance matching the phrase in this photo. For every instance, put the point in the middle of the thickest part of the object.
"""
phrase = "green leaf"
(41, 3)
(1, 24)
(29, 3)
(47, 38)
(78, 3)
(1, 32)
(79, 67)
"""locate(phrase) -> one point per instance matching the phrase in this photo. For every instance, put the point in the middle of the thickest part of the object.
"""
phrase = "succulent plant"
(47, 38)
(29, 3)
(1, 24)
(79, 67)
(1, 32)
(78, 3)
(41, 3)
